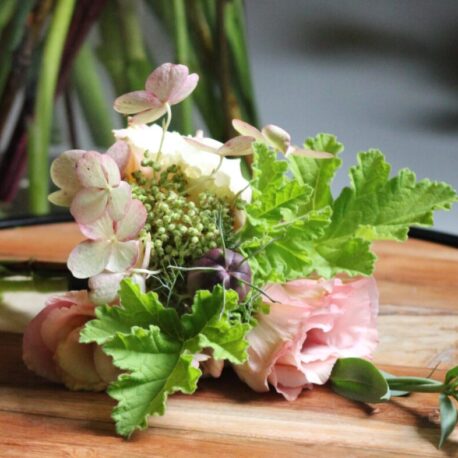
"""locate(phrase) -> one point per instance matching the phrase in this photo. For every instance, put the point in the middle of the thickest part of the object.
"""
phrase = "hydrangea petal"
(150, 115)
(132, 223)
(104, 287)
(119, 152)
(201, 145)
(185, 90)
(237, 146)
(63, 170)
(133, 102)
(89, 205)
(277, 137)
(101, 229)
(90, 170)
(166, 80)
(61, 198)
(110, 169)
(123, 256)
(89, 258)
(243, 128)
(119, 200)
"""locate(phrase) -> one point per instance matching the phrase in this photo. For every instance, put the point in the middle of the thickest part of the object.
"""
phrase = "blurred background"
(376, 74)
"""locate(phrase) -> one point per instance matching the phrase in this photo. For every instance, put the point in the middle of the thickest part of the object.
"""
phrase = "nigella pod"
(229, 269)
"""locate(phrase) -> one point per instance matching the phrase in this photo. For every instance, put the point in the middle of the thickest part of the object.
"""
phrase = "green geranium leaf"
(359, 380)
(318, 173)
(295, 228)
(158, 366)
(136, 309)
(449, 417)
(156, 347)
(375, 207)
(268, 172)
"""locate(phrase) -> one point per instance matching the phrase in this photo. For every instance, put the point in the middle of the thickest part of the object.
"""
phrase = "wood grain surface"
(418, 326)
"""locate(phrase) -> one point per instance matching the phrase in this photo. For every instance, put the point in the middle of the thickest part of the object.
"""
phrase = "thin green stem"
(137, 64)
(165, 125)
(181, 38)
(90, 93)
(40, 129)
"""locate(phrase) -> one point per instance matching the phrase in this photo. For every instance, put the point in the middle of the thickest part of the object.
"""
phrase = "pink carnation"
(311, 325)
(52, 350)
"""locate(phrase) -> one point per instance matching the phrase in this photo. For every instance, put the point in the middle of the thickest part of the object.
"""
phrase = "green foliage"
(156, 347)
(295, 227)
(449, 417)
(359, 380)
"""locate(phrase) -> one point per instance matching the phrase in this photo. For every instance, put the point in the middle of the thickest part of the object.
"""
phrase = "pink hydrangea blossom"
(168, 85)
(111, 245)
(104, 287)
(63, 175)
(51, 346)
(102, 189)
(311, 325)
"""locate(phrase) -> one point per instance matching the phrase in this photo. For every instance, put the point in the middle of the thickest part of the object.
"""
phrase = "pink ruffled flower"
(168, 85)
(111, 245)
(312, 324)
(51, 346)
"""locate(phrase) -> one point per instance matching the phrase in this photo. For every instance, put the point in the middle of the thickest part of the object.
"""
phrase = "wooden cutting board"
(418, 330)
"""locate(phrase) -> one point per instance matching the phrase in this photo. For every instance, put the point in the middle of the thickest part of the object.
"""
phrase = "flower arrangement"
(192, 263)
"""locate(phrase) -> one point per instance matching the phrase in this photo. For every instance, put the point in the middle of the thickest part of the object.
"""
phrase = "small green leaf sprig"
(360, 380)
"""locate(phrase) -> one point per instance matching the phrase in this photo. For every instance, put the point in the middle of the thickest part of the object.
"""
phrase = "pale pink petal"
(243, 128)
(171, 83)
(123, 256)
(89, 205)
(134, 102)
(76, 364)
(277, 137)
(63, 170)
(61, 198)
(71, 314)
(181, 93)
(36, 355)
(288, 381)
(90, 170)
(311, 325)
(101, 229)
(104, 366)
(119, 152)
(305, 152)
(150, 115)
(133, 221)
(110, 169)
(104, 287)
(120, 198)
(237, 146)
(89, 258)
(201, 145)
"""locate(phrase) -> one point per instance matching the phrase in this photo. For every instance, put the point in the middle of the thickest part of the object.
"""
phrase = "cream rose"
(197, 165)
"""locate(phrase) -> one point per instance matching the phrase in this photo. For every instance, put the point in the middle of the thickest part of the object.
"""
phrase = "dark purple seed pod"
(230, 269)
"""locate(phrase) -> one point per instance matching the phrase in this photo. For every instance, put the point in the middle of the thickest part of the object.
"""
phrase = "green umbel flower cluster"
(181, 229)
